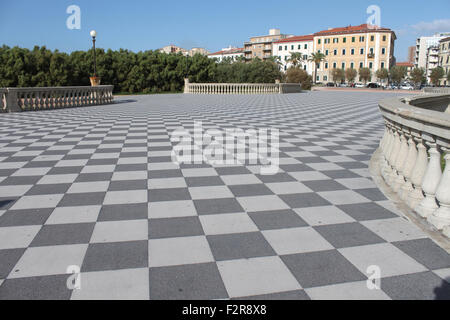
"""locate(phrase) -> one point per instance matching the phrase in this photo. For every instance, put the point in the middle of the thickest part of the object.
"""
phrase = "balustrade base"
(440, 218)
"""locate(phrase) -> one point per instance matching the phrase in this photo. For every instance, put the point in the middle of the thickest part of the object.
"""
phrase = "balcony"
(371, 55)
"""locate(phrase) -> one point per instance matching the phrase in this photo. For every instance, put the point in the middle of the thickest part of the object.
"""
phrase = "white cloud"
(441, 25)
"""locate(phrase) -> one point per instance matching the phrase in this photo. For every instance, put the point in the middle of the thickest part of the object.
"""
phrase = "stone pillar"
(408, 167)
(431, 179)
(441, 217)
(416, 196)
(186, 85)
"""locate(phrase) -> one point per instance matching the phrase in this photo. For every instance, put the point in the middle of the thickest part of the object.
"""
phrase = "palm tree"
(296, 58)
(317, 58)
(276, 60)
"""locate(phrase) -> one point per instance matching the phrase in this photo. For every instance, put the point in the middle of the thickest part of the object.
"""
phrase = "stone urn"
(95, 81)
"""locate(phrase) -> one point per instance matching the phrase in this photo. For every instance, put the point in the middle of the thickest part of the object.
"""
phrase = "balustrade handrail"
(416, 137)
(241, 88)
(43, 98)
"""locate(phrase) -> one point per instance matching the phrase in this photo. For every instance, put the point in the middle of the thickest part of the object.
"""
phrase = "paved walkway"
(96, 188)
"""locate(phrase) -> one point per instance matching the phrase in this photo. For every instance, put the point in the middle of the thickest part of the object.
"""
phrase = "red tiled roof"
(404, 64)
(309, 37)
(350, 29)
(236, 50)
(445, 39)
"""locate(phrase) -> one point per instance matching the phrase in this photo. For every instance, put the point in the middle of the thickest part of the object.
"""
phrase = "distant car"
(359, 85)
(330, 84)
(373, 85)
(406, 86)
(343, 85)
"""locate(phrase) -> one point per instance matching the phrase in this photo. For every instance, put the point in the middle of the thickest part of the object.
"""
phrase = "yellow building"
(354, 47)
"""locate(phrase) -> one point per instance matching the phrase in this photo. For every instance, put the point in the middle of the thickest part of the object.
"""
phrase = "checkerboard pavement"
(96, 188)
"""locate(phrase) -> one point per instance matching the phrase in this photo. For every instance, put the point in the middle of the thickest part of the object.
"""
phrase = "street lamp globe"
(93, 33)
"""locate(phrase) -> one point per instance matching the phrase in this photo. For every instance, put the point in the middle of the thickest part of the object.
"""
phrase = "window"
(383, 50)
(306, 46)
(334, 65)
(361, 39)
(318, 41)
(299, 47)
(371, 50)
(335, 40)
(280, 48)
(326, 65)
(344, 39)
(382, 65)
(305, 57)
(318, 78)
(353, 51)
(325, 78)
(343, 65)
(343, 52)
(372, 38)
(335, 52)
(384, 38)
(361, 51)
(304, 67)
(292, 47)
(353, 39)
(285, 47)
(370, 65)
(326, 52)
(361, 64)
(352, 65)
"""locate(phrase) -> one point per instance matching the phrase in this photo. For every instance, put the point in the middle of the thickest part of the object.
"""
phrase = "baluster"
(393, 157)
(441, 217)
(401, 159)
(388, 149)
(416, 196)
(431, 179)
(408, 167)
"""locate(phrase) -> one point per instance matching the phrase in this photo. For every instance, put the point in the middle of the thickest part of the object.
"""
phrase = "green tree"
(350, 74)
(417, 75)
(296, 59)
(382, 74)
(317, 58)
(397, 74)
(365, 74)
(298, 75)
(436, 75)
(337, 75)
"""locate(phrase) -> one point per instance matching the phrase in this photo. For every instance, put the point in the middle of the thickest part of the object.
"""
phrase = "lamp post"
(95, 81)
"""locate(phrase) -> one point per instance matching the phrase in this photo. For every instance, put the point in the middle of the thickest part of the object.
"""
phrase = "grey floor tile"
(116, 255)
(134, 211)
(63, 234)
(303, 200)
(324, 185)
(288, 295)
(8, 259)
(248, 190)
(366, 211)
(26, 217)
(216, 206)
(172, 194)
(321, 268)
(187, 282)
(36, 288)
(426, 252)
(278, 219)
(174, 227)
(239, 245)
(82, 199)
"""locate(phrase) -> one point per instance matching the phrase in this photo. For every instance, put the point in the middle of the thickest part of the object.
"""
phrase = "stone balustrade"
(241, 88)
(27, 99)
(437, 90)
(3, 93)
(415, 148)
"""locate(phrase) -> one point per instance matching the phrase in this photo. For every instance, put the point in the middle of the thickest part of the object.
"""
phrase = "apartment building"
(444, 58)
(230, 52)
(196, 50)
(302, 44)
(409, 67)
(261, 46)
(432, 60)
(354, 47)
(173, 49)
(422, 45)
(411, 54)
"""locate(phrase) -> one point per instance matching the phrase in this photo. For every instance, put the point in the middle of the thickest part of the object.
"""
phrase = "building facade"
(261, 46)
(432, 60)
(201, 51)
(422, 45)
(301, 44)
(444, 59)
(230, 53)
(174, 49)
(411, 54)
(409, 67)
(354, 47)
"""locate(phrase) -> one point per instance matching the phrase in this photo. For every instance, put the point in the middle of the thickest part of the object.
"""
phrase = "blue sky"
(144, 25)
